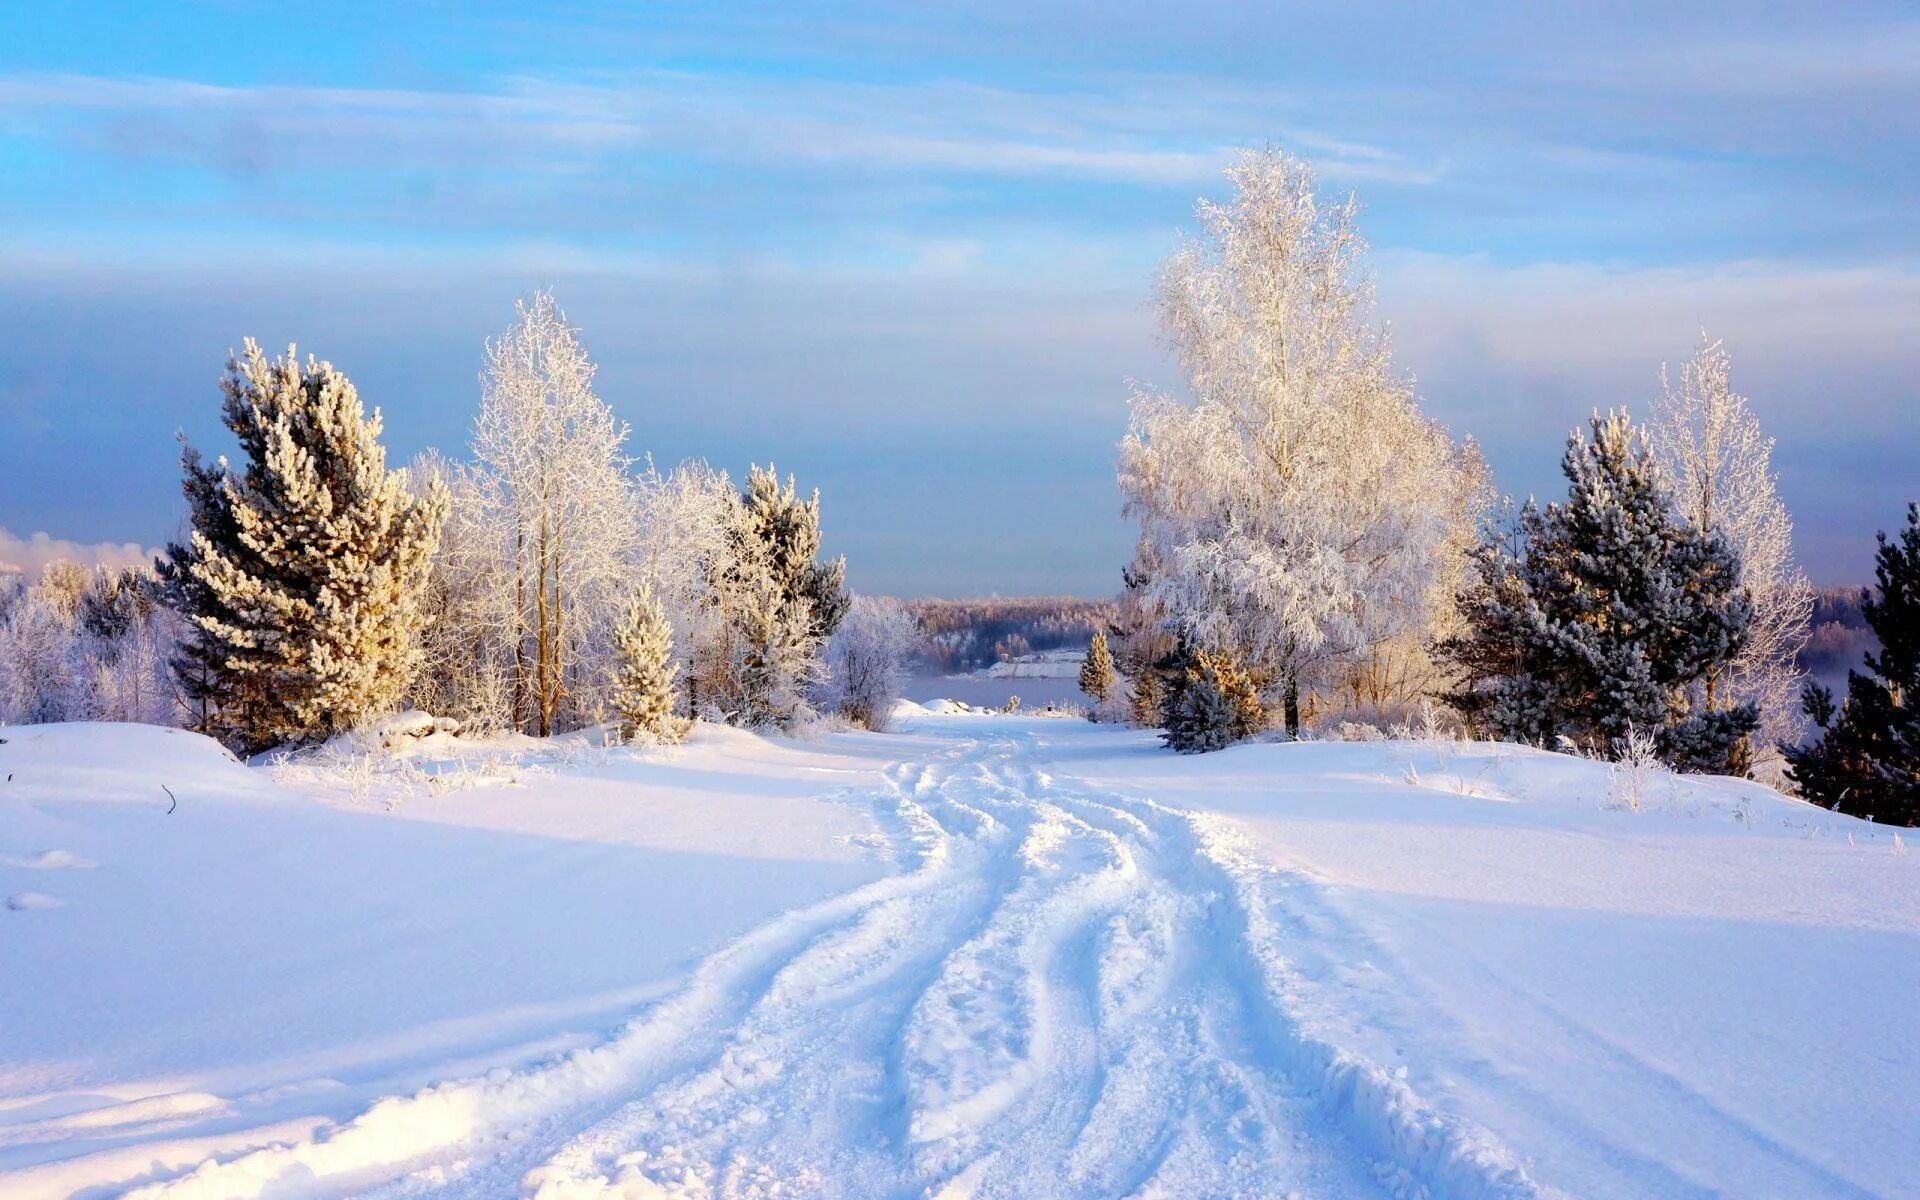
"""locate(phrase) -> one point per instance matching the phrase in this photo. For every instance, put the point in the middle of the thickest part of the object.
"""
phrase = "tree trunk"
(1292, 703)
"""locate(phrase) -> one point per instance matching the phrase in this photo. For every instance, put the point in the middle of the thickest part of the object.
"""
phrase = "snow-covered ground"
(983, 956)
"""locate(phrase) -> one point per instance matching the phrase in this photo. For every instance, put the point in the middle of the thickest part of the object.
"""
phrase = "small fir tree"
(1147, 699)
(1097, 678)
(1606, 617)
(1866, 761)
(1212, 705)
(300, 581)
(645, 671)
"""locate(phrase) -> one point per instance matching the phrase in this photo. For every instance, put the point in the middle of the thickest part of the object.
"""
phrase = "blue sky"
(905, 253)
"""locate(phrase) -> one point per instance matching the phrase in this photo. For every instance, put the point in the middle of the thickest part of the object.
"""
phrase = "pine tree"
(299, 583)
(1097, 678)
(1602, 621)
(1866, 761)
(645, 670)
(1211, 706)
(776, 606)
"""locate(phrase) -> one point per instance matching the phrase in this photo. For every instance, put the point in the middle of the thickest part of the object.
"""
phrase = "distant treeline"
(966, 635)
(1839, 635)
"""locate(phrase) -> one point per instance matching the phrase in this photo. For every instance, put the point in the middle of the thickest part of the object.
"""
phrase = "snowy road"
(1060, 993)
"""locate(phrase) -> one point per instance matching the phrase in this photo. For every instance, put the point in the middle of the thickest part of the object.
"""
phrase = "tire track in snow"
(1066, 993)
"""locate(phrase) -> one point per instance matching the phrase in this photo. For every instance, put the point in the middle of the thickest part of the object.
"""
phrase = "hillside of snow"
(984, 956)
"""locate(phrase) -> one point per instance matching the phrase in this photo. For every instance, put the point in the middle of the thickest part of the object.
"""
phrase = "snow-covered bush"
(1635, 768)
(867, 660)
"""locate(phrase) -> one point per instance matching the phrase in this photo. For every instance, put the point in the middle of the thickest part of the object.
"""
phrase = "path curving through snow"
(1061, 993)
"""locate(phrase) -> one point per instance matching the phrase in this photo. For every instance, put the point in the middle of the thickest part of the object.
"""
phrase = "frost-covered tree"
(866, 660)
(1211, 704)
(468, 608)
(643, 689)
(1607, 615)
(1866, 760)
(300, 581)
(552, 495)
(43, 676)
(1301, 511)
(1097, 677)
(686, 534)
(1718, 465)
(775, 606)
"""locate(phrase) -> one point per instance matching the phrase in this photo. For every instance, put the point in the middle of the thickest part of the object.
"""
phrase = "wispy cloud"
(1110, 134)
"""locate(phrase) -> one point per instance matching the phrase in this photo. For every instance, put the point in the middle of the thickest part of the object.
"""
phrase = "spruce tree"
(1866, 761)
(301, 578)
(1148, 698)
(1607, 618)
(1212, 705)
(776, 606)
(645, 670)
(1097, 678)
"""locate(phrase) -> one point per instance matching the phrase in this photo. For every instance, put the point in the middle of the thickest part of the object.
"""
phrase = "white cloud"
(31, 554)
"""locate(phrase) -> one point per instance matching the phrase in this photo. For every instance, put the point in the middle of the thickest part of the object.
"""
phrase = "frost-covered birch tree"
(300, 581)
(1717, 463)
(552, 493)
(1301, 512)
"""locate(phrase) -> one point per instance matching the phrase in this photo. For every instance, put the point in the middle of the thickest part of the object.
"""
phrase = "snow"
(982, 956)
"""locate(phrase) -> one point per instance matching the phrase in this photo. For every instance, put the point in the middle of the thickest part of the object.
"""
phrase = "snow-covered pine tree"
(645, 670)
(1608, 614)
(776, 607)
(1211, 705)
(1097, 678)
(1715, 460)
(1866, 761)
(300, 581)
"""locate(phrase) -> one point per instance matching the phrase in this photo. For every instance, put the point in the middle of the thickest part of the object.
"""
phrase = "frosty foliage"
(1866, 759)
(774, 607)
(550, 506)
(301, 579)
(1301, 511)
(1097, 677)
(643, 689)
(86, 645)
(1602, 613)
(1708, 446)
(1211, 705)
(867, 660)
